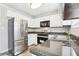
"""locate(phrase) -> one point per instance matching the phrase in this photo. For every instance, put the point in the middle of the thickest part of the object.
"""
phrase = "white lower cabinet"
(68, 51)
(32, 39)
(56, 20)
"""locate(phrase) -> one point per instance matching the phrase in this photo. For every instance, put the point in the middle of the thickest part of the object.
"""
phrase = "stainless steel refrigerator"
(17, 36)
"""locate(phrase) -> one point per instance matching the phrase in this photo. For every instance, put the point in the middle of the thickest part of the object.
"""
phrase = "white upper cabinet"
(34, 23)
(56, 20)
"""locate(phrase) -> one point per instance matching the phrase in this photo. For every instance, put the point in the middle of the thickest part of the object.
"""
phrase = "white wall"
(12, 13)
(3, 29)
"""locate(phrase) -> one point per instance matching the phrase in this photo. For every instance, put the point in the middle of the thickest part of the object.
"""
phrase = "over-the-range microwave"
(45, 23)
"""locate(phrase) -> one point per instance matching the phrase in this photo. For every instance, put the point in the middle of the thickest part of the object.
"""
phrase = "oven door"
(42, 38)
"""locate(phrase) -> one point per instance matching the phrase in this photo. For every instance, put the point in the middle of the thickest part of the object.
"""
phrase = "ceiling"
(44, 9)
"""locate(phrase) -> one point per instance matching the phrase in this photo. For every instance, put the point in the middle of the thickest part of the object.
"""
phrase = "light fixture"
(35, 5)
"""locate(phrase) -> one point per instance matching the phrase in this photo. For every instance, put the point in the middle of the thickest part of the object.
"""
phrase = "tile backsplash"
(49, 29)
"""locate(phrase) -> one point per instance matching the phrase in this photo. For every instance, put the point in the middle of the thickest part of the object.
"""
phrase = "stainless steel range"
(42, 37)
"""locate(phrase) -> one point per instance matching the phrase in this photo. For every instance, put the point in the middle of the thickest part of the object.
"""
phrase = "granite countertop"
(46, 49)
(74, 41)
(61, 33)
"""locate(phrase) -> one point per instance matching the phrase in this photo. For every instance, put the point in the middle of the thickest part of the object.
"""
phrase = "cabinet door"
(34, 23)
(66, 51)
(56, 20)
(32, 39)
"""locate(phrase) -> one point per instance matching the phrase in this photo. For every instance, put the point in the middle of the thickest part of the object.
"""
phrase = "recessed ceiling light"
(35, 5)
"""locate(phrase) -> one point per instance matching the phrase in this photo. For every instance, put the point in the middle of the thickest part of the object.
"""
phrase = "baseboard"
(4, 52)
